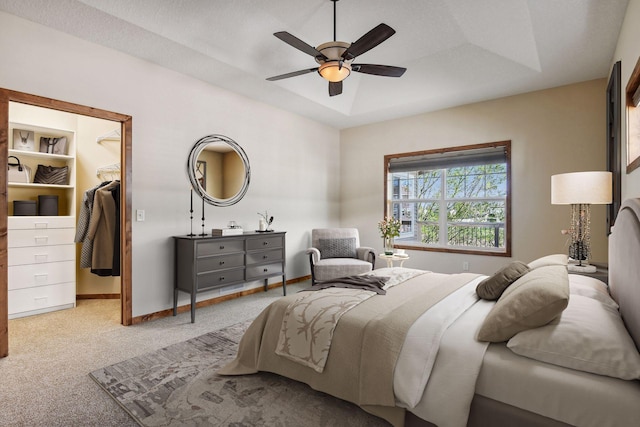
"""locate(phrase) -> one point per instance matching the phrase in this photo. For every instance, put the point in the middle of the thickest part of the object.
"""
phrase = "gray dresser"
(212, 262)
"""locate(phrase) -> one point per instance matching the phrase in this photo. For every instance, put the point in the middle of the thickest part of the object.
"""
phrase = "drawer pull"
(265, 270)
(40, 225)
(41, 257)
(221, 262)
(221, 247)
(221, 278)
(41, 240)
(265, 243)
(265, 256)
(40, 278)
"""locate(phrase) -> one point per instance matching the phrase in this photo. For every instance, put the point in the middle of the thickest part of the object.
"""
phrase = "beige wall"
(628, 52)
(552, 131)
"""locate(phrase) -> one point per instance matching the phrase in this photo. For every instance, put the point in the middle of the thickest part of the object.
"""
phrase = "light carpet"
(178, 386)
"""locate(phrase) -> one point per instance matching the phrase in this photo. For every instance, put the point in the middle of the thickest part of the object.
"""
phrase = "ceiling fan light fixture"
(333, 72)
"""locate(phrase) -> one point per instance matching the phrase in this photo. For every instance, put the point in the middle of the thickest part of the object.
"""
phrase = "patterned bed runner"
(309, 321)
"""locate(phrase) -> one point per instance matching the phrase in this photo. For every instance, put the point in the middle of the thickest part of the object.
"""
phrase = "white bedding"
(574, 397)
(463, 366)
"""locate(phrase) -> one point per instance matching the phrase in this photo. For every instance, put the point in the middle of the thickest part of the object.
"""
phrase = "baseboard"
(97, 296)
(212, 301)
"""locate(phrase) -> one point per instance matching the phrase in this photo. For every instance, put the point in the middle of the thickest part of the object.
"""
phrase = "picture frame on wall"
(632, 93)
(614, 144)
(23, 140)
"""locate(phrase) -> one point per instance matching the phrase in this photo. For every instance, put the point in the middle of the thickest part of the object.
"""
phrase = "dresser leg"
(266, 285)
(175, 302)
(284, 285)
(193, 307)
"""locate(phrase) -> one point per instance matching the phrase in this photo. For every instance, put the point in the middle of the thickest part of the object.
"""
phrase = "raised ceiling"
(455, 51)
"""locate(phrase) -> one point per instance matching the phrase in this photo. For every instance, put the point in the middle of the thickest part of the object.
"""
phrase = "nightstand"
(601, 273)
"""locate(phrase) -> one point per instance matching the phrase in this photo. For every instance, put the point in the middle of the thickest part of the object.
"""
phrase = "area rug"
(178, 386)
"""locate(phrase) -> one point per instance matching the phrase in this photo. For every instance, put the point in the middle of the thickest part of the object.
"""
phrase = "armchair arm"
(314, 255)
(367, 254)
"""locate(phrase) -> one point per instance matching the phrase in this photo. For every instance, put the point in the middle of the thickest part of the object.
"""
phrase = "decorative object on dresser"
(581, 190)
(265, 221)
(215, 262)
(336, 252)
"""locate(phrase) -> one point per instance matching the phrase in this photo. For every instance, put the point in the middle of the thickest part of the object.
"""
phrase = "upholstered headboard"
(624, 265)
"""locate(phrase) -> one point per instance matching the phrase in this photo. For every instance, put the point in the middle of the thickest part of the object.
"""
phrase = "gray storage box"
(48, 205)
(24, 208)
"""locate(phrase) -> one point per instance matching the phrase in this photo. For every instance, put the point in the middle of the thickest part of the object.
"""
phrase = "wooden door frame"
(7, 96)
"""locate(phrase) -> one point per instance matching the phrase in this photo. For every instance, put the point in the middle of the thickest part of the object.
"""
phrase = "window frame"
(506, 145)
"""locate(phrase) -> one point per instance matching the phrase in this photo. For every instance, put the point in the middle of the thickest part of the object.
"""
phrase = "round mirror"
(218, 169)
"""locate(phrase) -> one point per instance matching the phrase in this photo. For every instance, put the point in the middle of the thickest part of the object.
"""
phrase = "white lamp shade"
(581, 188)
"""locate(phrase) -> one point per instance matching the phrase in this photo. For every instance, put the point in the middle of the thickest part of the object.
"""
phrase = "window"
(453, 200)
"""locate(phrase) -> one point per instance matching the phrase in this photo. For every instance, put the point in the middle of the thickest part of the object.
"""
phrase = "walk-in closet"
(63, 196)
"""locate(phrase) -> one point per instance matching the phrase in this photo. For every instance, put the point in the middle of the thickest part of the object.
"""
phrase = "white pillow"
(592, 288)
(589, 336)
(555, 259)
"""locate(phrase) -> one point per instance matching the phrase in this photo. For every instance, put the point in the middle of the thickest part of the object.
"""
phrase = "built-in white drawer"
(38, 255)
(40, 222)
(41, 237)
(48, 273)
(41, 298)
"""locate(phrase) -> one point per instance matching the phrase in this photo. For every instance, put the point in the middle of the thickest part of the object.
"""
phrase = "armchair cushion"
(344, 247)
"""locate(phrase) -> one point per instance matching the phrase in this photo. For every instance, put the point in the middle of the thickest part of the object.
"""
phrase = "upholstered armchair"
(336, 252)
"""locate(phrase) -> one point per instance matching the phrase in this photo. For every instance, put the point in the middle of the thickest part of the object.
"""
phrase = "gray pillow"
(492, 287)
(337, 248)
(532, 301)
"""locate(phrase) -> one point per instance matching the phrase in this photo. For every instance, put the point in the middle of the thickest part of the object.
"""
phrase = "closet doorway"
(123, 126)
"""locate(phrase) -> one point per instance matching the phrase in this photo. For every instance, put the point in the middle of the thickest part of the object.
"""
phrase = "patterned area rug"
(178, 386)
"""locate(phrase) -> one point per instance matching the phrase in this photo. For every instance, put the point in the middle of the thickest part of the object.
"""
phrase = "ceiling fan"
(336, 57)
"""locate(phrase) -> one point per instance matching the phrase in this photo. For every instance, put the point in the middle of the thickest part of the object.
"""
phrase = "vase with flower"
(389, 229)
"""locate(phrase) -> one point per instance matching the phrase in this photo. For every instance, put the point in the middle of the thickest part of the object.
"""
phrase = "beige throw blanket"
(366, 343)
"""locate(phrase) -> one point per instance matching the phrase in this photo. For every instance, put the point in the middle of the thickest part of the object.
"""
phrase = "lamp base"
(584, 268)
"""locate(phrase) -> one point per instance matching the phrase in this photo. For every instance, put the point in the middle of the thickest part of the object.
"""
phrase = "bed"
(555, 349)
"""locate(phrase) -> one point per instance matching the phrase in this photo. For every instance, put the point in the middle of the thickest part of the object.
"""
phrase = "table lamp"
(581, 190)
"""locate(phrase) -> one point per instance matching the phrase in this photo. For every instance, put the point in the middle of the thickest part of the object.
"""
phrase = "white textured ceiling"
(455, 51)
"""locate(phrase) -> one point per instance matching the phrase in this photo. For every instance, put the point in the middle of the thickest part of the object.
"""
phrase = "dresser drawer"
(38, 255)
(219, 247)
(264, 256)
(213, 263)
(219, 278)
(41, 298)
(259, 271)
(265, 243)
(43, 237)
(40, 222)
(48, 273)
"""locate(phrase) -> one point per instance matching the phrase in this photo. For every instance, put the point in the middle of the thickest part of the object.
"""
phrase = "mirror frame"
(198, 147)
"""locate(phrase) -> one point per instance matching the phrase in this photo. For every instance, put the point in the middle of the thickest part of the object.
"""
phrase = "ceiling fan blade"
(299, 44)
(378, 70)
(292, 74)
(335, 88)
(367, 42)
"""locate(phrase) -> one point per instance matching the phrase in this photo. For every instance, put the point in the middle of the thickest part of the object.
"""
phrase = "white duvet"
(440, 360)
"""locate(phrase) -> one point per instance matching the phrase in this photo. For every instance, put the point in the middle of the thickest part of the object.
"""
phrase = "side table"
(601, 273)
(391, 258)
